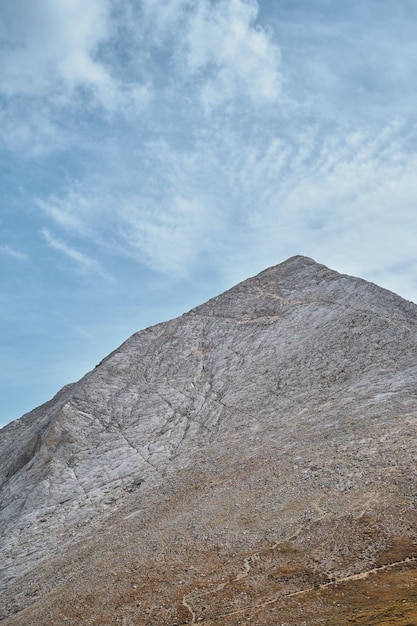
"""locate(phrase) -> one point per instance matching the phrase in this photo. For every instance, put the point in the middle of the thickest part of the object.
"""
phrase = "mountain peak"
(299, 280)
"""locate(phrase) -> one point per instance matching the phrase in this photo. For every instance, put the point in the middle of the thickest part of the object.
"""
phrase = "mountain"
(251, 462)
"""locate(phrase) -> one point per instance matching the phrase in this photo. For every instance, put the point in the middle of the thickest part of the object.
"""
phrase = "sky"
(153, 153)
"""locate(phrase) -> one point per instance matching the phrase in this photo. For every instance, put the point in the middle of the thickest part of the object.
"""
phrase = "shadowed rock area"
(251, 462)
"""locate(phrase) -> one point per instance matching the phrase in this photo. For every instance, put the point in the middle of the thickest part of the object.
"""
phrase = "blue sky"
(155, 152)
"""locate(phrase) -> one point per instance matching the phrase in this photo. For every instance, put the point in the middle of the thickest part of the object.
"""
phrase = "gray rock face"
(276, 411)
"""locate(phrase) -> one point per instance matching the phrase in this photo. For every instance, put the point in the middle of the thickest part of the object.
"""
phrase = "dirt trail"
(247, 564)
(188, 607)
(351, 577)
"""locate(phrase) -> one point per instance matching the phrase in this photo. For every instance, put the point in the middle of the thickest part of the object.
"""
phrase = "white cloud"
(52, 46)
(349, 202)
(67, 212)
(163, 231)
(219, 47)
(85, 262)
(58, 52)
(244, 203)
(53, 65)
(15, 254)
(223, 36)
(167, 238)
(107, 61)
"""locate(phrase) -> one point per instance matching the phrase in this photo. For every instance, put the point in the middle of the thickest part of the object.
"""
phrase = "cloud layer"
(195, 129)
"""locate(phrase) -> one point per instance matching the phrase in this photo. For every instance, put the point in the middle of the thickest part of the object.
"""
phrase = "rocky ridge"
(217, 467)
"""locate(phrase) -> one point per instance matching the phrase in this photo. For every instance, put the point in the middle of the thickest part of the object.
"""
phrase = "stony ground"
(252, 462)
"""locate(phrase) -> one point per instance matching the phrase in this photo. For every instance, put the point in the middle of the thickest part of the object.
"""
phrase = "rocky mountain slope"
(251, 462)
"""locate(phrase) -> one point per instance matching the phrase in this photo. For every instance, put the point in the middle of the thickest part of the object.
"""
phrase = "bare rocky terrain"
(251, 462)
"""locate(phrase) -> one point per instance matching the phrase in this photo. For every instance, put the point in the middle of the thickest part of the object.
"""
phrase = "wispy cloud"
(15, 254)
(237, 202)
(85, 262)
(346, 200)
(66, 212)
